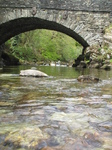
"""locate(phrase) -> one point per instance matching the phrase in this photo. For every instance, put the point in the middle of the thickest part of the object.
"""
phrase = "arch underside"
(17, 26)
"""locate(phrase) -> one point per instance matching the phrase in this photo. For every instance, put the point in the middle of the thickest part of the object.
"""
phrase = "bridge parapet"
(72, 5)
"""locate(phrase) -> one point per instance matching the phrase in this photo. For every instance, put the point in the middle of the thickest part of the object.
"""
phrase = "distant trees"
(44, 45)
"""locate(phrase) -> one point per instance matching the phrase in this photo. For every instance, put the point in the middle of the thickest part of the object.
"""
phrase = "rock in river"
(88, 79)
(32, 73)
(27, 137)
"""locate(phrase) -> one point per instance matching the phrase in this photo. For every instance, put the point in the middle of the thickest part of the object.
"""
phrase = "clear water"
(57, 112)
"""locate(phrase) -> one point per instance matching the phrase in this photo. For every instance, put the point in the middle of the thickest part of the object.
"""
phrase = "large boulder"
(32, 73)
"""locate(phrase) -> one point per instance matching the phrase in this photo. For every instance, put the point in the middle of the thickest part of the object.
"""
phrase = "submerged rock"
(93, 139)
(6, 104)
(27, 137)
(47, 148)
(88, 79)
(32, 73)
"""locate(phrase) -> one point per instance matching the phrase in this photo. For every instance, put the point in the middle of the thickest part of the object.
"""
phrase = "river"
(55, 112)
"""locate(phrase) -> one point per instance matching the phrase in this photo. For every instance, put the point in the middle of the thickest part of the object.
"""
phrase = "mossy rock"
(106, 67)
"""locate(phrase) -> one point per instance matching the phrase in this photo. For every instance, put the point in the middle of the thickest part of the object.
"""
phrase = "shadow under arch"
(20, 25)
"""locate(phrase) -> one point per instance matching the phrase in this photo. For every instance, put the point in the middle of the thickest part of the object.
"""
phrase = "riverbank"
(97, 56)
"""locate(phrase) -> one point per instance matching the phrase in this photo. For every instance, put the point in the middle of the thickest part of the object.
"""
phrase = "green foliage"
(108, 29)
(110, 60)
(99, 49)
(44, 45)
(87, 61)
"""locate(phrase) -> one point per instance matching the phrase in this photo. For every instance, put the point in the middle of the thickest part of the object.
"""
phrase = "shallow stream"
(57, 112)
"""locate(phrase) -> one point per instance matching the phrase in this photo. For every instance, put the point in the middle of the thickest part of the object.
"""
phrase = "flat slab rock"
(32, 73)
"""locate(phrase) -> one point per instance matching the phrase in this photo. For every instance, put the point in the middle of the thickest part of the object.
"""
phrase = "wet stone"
(93, 139)
(53, 142)
(41, 145)
(77, 144)
(105, 126)
(107, 143)
(88, 79)
(1, 93)
(6, 104)
(28, 137)
(48, 148)
(2, 138)
(64, 128)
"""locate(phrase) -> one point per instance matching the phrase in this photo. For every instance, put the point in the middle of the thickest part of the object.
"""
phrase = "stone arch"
(20, 25)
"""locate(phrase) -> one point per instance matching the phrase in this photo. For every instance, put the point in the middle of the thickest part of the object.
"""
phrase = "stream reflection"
(55, 113)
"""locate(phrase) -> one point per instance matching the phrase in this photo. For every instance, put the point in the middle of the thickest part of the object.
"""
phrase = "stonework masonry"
(83, 20)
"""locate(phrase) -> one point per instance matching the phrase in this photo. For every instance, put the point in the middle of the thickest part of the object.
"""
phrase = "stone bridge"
(83, 20)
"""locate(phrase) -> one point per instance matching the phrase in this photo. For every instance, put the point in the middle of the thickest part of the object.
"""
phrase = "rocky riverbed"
(55, 113)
